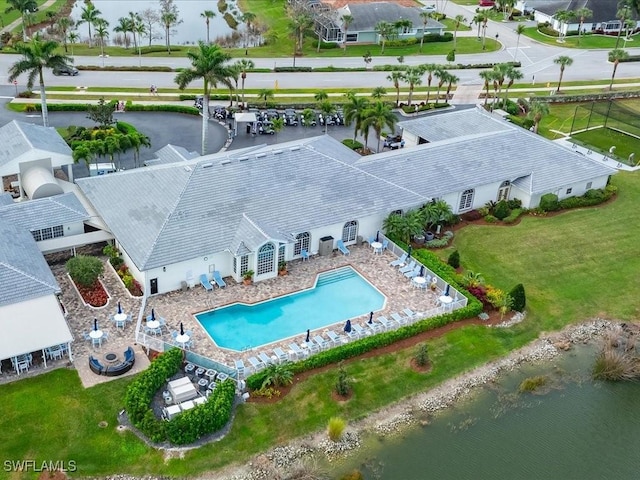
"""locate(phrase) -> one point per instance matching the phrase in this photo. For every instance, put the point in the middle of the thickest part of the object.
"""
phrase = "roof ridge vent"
(277, 152)
(187, 168)
(261, 155)
(225, 162)
(207, 165)
(295, 148)
(243, 159)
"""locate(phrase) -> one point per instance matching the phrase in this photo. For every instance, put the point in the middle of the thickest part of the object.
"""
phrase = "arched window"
(503, 191)
(466, 200)
(350, 231)
(302, 241)
(265, 258)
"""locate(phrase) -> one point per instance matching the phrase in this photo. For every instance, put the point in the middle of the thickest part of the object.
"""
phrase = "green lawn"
(602, 139)
(574, 266)
(587, 41)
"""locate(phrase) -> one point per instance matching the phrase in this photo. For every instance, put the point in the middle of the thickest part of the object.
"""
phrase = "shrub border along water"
(186, 427)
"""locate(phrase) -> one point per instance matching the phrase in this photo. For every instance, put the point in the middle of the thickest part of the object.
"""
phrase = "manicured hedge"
(133, 107)
(352, 144)
(292, 69)
(124, 68)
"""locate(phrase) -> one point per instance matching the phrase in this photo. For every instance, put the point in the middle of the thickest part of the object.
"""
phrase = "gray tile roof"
(5, 199)
(24, 273)
(603, 10)
(182, 210)
(17, 138)
(172, 154)
(44, 212)
(367, 15)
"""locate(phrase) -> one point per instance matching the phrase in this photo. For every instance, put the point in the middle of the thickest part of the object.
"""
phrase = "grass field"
(587, 41)
(601, 140)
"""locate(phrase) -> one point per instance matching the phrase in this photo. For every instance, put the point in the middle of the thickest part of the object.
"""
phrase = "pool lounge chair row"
(216, 277)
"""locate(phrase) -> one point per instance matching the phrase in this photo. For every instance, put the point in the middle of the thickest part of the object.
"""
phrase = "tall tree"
(430, 69)
(102, 32)
(564, 61)
(582, 13)
(37, 55)
(512, 75)
(623, 14)
(378, 116)
(170, 17)
(403, 26)
(457, 21)
(385, 30)
(73, 39)
(378, 93)
(135, 25)
(24, 7)
(425, 16)
(150, 18)
(209, 64)
(265, 94)
(208, 15)
(537, 110)
(299, 23)
(244, 65)
(395, 77)
(89, 14)
(354, 111)
(507, 8)
(451, 79)
(326, 108)
(64, 24)
(346, 21)
(123, 27)
(615, 57)
(488, 77)
(443, 77)
(413, 77)
(519, 31)
(563, 17)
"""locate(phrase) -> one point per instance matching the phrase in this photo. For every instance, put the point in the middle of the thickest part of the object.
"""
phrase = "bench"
(114, 370)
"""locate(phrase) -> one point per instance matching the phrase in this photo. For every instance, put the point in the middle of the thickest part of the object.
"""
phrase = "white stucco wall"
(73, 229)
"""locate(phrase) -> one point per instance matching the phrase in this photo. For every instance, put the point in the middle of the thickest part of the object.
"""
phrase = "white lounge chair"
(361, 331)
(298, 352)
(333, 336)
(282, 357)
(400, 320)
(408, 268)
(386, 324)
(399, 261)
(375, 327)
(240, 368)
(264, 358)
(256, 364)
(322, 343)
(409, 313)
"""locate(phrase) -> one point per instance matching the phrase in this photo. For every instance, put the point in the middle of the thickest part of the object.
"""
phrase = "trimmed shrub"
(518, 297)
(447, 37)
(549, 202)
(422, 355)
(403, 42)
(513, 216)
(490, 219)
(590, 198)
(292, 69)
(336, 428)
(501, 210)
(454, 259)
(342, 385)
(84, 270)
(352, 144)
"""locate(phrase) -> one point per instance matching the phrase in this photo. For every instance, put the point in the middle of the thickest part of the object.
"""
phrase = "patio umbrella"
(95, 324)
(409, 252)
(446, 291)
(371, 317)
(378, 236)
(422, 271)
(153, 314)
(347, 327)
(181, 329)
(119, 307)
(307, 339)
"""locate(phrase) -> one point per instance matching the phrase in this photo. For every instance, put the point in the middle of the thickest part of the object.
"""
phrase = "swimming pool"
(337, 296)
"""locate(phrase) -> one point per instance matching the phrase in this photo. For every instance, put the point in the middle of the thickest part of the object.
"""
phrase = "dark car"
(66, 70)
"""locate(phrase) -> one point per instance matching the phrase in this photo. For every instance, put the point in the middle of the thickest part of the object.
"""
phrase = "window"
(58, 231)
(352, 37)
(37, 236)
(281, 253)
(235, 264)
(569, 190)
(48, 233)
(349, 231)
(466, 200)
(244, 264)
(589, 184)
(265, 258)
(503, 191)
(302, 241)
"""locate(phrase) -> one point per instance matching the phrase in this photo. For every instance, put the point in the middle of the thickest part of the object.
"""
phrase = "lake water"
(192, 28)
(579, 429)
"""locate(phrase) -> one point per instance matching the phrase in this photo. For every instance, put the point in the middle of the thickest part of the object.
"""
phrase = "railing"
(459, 299)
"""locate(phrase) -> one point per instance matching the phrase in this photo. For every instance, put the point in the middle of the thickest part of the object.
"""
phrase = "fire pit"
(111, 357)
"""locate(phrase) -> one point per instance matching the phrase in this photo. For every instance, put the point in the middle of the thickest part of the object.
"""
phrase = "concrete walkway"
(18, 22)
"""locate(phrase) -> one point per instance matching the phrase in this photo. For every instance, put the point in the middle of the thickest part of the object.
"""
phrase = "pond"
(192, 29)
(576, 429)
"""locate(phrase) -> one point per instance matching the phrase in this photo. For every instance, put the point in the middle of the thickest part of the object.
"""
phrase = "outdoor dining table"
(377, 247)
(96, 336)
(183, 340)
(153, 324)
(419, 282)
(120, 319)
(445, 300)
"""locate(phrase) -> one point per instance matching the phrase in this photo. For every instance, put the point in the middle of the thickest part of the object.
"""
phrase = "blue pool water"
(337, 296)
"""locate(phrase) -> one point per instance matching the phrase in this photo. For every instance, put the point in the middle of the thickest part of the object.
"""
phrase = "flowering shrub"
(480, 292)
(130, 283)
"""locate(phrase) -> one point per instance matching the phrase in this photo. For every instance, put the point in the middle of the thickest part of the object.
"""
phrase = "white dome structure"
(39, 182)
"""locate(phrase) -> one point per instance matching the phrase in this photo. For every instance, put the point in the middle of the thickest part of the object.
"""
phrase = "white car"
(429, 8)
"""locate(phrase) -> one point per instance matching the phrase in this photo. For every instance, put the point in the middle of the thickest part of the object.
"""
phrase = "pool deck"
(179, 306)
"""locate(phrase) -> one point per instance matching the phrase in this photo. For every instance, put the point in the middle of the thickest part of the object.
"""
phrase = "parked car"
(66, 70)
(428, 8)
(393, 142)
(487, 3)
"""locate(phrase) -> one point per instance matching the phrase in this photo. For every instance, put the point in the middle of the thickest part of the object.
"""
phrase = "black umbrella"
(347, 327)
(95, 324)
(371, 318)
(153, 314)
(409, 252)
(307, 339)
(181, 329)
(378, 236)
(446, 291)
(119, 307)
(422, 271)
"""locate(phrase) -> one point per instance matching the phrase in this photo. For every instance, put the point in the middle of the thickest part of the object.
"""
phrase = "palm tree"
(265, 94)
(563, 17)
(378, 93)
(248, 18)
(326, 108)
(403, 26)
(278, 375)
(73, 38)
(395, 77)
(616, 56)
(519, 31)
(346, 21)
(443, 77)
(404, 226)
(89, 14)
(512, 74)
(564, 61)
(354, 111)
(244, 65)
(102, 32)
(36, 56)
(623, 14)
(506, 6)
(135, 24)
(430, 68)
(487, 76)
(299, 23)
(537, 110)
(320, 96)
(451, 79)
(208, 15)
(500, 72)
(24, 7)
(384, 30)
(413, 77)
(64, 24)
(169, 19)
(425, 16)
(377, 117)
(458, 20)
(582, 13)
(124, 27)
(479, 20)
(209, 64)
